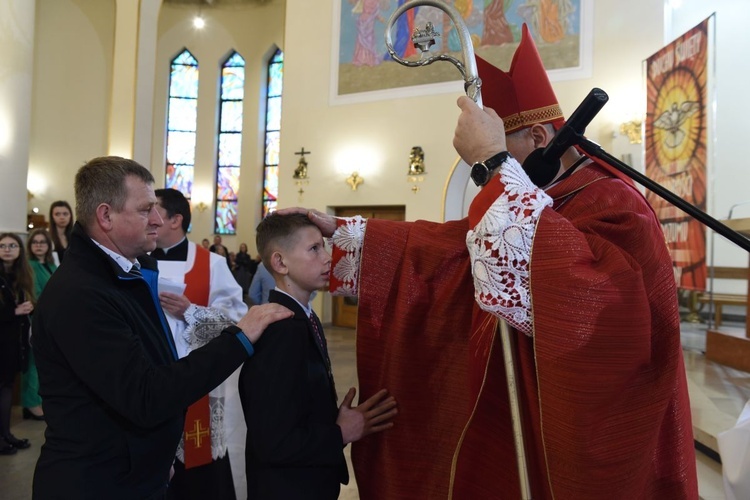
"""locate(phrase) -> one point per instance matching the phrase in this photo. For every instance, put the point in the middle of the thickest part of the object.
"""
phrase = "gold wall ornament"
(416, 172)
(300, 173)
(354, 180)
(632, 130)
(201, 206)
(416, 161)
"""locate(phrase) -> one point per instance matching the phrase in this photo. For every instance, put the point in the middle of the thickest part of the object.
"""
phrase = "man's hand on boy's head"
(374, 415)
(257, 319)
(174, 304)
(326, 223)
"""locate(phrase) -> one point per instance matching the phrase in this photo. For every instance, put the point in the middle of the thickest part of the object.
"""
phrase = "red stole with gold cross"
(197, 432)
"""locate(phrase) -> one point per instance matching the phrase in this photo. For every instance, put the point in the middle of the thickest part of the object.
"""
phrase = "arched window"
(273, 132)
(230, 144)
(181, 122)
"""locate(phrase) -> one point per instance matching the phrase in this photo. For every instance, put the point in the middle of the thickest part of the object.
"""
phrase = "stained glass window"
(181, 122)
(230, 144)
(273, 132)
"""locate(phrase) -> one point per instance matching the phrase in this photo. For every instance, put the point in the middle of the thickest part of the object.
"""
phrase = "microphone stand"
(596, 151)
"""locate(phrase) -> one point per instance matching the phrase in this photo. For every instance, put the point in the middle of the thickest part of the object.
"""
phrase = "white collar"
(307, 308)
(121, 260)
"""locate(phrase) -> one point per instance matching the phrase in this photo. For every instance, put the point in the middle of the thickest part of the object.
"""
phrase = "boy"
(295, 433)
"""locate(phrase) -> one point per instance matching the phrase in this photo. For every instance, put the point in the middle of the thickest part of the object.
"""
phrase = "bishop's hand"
(326, 223)
(480, 133)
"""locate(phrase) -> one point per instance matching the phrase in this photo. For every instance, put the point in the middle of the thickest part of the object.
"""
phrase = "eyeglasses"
(9, 246)
(39, 242)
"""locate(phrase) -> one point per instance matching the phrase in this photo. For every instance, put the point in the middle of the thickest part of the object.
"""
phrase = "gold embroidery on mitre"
(526, 118)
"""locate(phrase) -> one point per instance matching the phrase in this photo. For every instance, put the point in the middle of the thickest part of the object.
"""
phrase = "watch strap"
(495, 161)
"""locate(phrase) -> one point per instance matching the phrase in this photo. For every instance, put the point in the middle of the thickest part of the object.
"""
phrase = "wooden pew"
(724, 299)
(729, 346)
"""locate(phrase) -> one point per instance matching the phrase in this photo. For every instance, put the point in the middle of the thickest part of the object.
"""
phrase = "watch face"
(480, 174)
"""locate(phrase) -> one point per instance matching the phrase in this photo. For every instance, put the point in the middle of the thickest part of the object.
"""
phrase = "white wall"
(16, 55)
(72, 82)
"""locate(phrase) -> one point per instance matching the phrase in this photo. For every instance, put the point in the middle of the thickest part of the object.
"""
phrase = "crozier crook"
(423, 39)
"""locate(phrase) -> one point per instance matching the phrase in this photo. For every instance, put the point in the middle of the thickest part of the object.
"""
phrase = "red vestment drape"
(602, 381)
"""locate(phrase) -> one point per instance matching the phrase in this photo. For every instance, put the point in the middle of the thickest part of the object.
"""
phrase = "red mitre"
(523, 96)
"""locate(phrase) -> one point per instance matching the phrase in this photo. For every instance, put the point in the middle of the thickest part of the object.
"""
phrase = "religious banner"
(676, 122)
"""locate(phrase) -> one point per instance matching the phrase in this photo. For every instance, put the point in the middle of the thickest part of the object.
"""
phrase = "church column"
(16, 69)
(146, 78)
(122, 104)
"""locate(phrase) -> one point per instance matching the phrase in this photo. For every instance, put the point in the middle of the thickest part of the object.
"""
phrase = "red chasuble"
(197, 433)
(601, 381)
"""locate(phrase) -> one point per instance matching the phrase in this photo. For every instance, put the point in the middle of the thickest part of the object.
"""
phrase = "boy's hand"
(257, 319)
(374, 415)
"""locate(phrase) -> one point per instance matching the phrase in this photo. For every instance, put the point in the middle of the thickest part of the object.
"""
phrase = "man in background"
(261, 285)
(211, 300)
(219, 248)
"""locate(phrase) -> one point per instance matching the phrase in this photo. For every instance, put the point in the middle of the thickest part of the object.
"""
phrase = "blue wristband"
(235, 330)
(246, 343)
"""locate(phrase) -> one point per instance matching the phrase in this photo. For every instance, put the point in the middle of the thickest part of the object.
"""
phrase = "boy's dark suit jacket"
(294, 447)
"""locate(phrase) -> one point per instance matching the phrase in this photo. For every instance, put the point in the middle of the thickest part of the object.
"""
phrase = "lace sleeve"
(500, 248)
(203, 325)
(347, 243)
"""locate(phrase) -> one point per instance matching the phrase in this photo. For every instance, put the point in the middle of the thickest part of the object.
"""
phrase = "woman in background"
(244, 268)
(61, 226)
(16, 303)
(243, 260)
(43, 265)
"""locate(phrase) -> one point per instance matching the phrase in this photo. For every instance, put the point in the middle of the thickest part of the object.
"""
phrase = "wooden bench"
(720, 300)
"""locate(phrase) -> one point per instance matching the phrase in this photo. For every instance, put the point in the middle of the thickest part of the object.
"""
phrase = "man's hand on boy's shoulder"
(374, 415)
(258, 318)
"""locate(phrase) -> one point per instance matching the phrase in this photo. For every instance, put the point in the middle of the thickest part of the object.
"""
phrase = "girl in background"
(39, 247)
(61, 227)
(16, 303)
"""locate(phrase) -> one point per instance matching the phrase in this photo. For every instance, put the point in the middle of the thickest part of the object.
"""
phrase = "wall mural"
(363, 63)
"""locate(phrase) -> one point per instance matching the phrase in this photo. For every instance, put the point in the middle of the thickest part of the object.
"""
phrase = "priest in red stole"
(580, 271)
(201, 297)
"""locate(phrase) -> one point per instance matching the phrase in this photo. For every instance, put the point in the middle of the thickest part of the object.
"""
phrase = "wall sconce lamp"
(300, 173)
(632, 130)
(354, 180)
(34, 218)
(201, 206)
(416, 172)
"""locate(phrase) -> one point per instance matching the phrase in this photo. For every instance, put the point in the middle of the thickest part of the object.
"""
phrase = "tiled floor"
(717, 394)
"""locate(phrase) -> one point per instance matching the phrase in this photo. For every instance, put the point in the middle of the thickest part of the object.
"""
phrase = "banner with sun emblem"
(676, 122)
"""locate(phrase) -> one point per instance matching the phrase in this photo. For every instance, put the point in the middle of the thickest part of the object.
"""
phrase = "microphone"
(543, 164)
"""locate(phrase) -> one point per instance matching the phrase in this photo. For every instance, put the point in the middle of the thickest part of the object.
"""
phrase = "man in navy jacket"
(114, 391)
